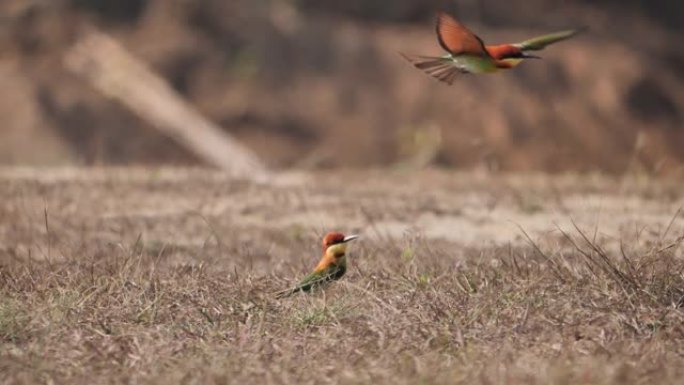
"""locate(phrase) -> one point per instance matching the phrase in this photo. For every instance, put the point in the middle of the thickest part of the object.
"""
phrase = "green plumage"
(447, 68)
(317, 279)
(540, 42)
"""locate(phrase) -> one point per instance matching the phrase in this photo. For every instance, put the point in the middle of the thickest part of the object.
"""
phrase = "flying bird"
(331, 267)
(467, 53)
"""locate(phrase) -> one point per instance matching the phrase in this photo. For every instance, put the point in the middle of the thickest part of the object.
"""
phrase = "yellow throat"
(337, 250)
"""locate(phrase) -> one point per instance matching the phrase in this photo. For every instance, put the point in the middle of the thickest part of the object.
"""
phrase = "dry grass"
(78, 305)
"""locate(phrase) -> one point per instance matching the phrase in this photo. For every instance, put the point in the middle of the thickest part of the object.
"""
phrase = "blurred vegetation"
(319, 83)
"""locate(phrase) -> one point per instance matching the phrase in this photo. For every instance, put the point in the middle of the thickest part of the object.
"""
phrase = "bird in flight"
(467, 53)
(331, 267)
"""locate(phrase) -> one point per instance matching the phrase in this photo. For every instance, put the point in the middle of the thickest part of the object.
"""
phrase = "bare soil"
(166, 276)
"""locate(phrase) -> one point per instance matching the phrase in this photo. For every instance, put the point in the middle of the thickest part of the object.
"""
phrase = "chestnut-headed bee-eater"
(332, 266)
(467, 53)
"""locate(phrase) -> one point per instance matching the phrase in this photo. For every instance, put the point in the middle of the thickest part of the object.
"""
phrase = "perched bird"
(467, 53)
(332, 266)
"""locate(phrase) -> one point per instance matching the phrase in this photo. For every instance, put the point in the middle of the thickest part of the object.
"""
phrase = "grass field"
(166, 276)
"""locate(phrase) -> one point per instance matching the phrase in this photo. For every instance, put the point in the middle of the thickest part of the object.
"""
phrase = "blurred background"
(314, 84)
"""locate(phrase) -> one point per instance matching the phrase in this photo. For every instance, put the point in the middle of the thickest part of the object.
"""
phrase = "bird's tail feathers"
(423, 62)
(440, 68)
(286, 293)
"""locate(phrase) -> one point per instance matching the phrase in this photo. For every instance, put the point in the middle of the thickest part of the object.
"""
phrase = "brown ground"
(165, 276)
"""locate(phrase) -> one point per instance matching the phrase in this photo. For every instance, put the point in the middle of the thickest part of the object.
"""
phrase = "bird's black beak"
(526, 55)
(349, 238)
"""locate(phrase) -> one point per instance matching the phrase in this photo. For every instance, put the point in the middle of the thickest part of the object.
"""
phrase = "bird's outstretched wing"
(312, 280)
(456, 38)
(540, 42)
